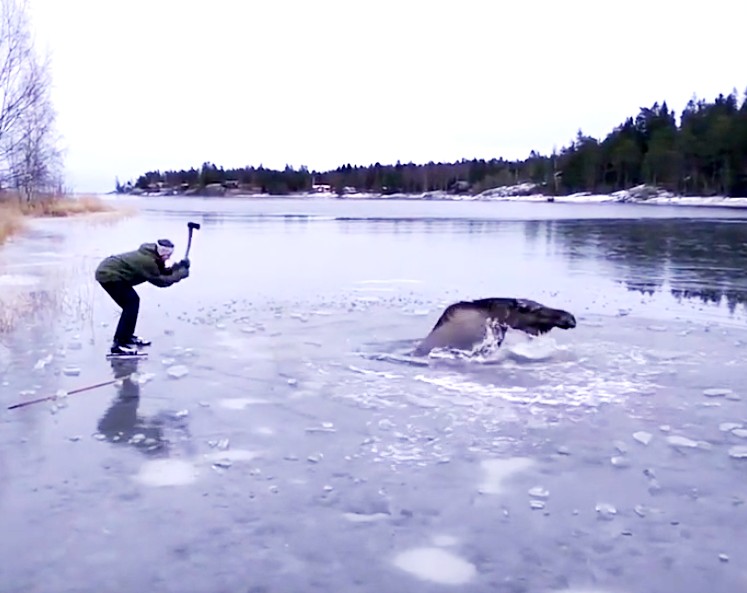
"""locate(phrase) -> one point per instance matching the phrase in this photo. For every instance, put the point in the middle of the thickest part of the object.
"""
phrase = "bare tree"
(29, 158)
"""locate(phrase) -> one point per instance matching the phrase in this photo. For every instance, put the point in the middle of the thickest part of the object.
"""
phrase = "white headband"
(164, 250)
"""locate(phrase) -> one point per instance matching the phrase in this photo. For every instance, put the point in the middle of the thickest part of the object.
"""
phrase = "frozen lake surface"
(281, 436)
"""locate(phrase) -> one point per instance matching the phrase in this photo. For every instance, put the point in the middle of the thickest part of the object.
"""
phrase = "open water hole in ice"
(282, 437)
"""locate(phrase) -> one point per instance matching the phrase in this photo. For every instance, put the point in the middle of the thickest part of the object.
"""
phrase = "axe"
(191, 226)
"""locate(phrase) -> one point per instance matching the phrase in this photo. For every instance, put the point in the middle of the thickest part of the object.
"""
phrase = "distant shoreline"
(644, 195)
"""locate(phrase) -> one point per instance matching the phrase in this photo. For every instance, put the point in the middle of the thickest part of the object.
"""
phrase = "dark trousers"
(126, 297)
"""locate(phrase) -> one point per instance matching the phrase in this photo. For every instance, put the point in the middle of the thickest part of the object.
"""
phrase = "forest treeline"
(704, 153)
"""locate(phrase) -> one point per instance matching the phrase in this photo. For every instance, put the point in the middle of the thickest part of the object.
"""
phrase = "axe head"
(193, 225)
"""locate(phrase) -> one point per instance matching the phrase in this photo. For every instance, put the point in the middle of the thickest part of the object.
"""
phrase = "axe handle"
(189, 243)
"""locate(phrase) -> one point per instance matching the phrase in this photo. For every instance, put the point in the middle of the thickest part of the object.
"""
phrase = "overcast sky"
(154, 84)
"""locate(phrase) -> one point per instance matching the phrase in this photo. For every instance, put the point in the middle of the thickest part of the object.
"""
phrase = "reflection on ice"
(436, 565)
(182, 472)
(167, 472)
(497, 471)
(239, 403)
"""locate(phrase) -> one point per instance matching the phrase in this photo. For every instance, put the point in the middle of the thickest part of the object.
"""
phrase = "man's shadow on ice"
(121, 423)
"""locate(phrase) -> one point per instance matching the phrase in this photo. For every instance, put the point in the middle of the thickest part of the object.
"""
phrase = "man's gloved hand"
(181, 268)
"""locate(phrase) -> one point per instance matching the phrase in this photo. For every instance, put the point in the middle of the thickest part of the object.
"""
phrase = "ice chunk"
(717, 392)
(605, 510)
(539, 492)
(71, 371)
(620, 461)
(365, 518)
(680, 441)
(436, 565)
(643, 437)
(536, 505)
(729, 426)
(319, 429)
(177, 371)
(42, 362)
(738, 452)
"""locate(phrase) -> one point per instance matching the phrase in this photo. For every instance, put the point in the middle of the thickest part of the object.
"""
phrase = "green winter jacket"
(141, 265)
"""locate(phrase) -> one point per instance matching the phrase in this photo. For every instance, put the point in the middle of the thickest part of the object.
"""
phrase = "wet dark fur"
(463, 324)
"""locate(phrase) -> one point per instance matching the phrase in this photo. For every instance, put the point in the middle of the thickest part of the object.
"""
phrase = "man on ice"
(117, 275)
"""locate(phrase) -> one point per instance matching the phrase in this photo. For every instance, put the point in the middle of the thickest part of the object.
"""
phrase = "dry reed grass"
(11, 222)
(60, 206)
(13, 210)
